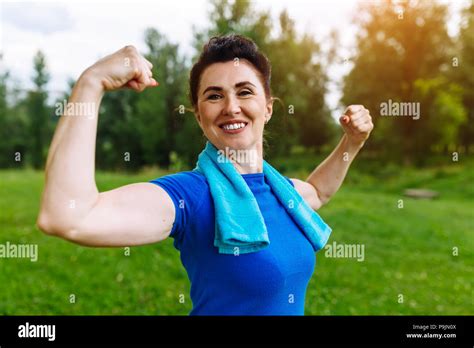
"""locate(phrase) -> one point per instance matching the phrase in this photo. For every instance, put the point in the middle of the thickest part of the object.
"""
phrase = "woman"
(264, 269)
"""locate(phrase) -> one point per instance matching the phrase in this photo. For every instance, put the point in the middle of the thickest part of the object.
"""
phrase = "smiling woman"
(230, 93)
(247, 235)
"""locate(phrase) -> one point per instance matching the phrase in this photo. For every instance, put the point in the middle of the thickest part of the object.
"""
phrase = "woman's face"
(230, 96)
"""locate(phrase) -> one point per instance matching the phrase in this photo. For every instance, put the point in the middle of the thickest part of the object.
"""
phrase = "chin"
(237, 141)
(237, 144)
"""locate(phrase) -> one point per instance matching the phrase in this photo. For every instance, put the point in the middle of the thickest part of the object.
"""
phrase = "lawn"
(418, 259)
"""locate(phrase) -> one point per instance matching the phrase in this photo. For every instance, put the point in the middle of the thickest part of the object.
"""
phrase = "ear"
(198, 117)
(269, 109)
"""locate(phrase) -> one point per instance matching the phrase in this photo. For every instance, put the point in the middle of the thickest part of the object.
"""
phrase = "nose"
(232, 106)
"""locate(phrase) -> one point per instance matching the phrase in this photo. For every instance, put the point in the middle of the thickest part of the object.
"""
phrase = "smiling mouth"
(233, 128)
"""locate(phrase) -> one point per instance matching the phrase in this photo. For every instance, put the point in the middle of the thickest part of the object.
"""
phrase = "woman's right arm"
(71, 206)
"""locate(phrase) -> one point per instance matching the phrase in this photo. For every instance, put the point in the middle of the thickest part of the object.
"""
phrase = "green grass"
(408, 252)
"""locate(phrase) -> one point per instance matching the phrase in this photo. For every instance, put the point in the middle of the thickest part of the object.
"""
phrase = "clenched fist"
(124, 68)
(357, 124)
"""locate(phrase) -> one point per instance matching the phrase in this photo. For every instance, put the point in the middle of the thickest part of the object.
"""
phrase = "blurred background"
(325, 55)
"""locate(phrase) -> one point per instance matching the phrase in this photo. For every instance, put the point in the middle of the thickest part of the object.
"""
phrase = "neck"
(247, 161)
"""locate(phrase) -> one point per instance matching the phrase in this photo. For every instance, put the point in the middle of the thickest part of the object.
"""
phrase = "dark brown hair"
(226, 48)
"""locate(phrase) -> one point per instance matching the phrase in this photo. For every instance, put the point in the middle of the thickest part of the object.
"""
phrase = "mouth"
(233, 127)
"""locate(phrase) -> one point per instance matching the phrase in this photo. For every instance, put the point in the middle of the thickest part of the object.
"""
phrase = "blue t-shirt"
(271, 281)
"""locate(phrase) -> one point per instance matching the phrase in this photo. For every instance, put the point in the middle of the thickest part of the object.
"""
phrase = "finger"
(146, 76)
(139, 76)
(143, 76)
(344, 120)
(356, 117)
(148, 63)
(359, 122)
(366, 127)
(361, 115)
(137, 84)
(141, 87)
(366, 123)
(353, 109)
(132, 84)
(151, 81)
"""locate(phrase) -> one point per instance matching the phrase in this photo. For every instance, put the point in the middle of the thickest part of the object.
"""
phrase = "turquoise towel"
(239, 222)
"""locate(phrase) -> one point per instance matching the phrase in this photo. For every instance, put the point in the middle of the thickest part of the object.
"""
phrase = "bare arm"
(327, 178)
(71, 206)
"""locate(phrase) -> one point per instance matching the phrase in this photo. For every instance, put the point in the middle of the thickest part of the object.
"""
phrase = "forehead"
(228, 74)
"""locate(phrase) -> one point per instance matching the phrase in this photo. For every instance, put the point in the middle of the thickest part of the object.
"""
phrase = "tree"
(442, 119)
(6, 157)
(398, 43)
(298, 77)
(164, 126)
(146, 128)
(238, 17)
(13, 124)
(38, 111)
(463, 73)
(118, 144)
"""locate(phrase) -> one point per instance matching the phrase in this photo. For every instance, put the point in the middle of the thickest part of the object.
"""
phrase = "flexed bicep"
(130, 215)
(308, 192)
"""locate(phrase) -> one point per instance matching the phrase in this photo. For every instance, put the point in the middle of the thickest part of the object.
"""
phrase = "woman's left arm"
(327, 178)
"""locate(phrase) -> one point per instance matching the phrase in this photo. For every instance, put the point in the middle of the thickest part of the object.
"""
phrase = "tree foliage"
(399, 44)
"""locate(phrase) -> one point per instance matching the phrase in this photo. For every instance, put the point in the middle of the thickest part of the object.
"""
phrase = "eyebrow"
(218, 89)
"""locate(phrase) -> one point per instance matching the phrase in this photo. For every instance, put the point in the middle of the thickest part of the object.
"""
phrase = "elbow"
(43, 222)
(51, 226)
(322, 200)
(317, 205)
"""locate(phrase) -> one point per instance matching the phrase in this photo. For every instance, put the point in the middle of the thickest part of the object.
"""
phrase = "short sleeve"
(185, 190)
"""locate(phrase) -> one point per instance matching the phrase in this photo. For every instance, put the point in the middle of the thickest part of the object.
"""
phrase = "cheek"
(207, 113)
(256, 110)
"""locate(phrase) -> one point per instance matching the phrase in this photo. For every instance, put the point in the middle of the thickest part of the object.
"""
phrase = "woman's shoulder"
(189, 185)
(188, 190)
(192, 177)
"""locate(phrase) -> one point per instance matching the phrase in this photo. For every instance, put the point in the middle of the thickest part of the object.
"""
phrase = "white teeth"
(234, 126)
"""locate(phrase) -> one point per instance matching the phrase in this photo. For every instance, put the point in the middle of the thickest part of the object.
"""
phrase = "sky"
(74, 34)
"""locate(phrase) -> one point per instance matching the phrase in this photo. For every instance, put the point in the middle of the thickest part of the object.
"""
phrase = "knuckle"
(134, 63)
(130, 48)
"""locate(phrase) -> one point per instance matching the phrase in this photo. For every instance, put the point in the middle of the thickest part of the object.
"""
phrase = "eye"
(245, 92)
(213, 97)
